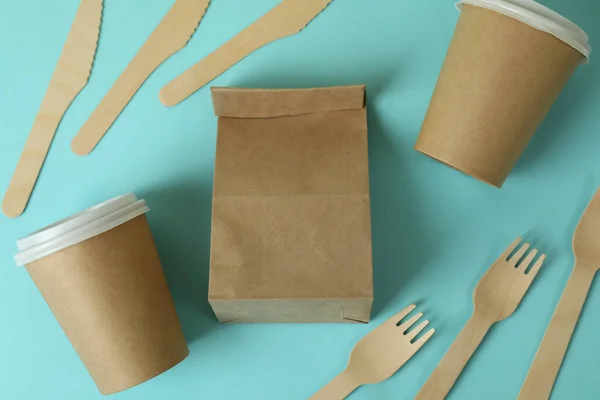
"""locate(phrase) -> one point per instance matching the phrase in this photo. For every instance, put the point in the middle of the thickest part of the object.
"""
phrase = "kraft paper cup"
(507, 63)
(101, 276)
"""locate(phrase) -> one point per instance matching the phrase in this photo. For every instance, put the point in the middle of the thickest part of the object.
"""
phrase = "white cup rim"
(539, 17)
(79, 227)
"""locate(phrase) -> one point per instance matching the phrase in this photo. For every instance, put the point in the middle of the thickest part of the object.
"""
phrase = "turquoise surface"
(435, 231)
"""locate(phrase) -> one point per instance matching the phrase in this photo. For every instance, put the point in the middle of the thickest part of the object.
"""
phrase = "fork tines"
(517, 261)
(406, 325)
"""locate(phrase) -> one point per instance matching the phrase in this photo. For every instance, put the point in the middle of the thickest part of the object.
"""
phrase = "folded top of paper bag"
(265, 103)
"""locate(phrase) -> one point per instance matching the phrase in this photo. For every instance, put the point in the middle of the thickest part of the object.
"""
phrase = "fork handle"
(544, 370)
(448, 370)
(339, 388)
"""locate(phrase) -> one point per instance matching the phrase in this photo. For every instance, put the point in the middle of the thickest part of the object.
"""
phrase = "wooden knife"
(70, 76)
(171, 35)
(287, 18)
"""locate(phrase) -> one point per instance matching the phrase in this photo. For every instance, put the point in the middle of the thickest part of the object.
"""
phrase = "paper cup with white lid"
(507, 63)
(101, 276)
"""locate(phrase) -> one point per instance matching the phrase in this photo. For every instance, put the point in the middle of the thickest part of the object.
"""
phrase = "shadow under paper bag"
(100, 274)
(499, 79)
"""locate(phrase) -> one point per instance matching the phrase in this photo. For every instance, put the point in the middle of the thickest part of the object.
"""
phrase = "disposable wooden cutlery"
(170, 36)
(549, 357)
(70, 76)
(378, 355)
(285, 19)
(496, 297)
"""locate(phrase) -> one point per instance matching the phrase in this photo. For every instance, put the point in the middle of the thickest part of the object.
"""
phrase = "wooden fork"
(496, 298)
(586, 246)
(378, 355)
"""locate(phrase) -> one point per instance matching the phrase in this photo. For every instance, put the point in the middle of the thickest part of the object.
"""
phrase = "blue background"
(435, 231)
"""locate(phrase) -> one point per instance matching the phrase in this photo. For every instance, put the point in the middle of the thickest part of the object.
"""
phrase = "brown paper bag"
(291, 226)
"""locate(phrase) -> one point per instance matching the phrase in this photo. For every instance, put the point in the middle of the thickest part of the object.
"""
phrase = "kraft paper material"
(499, 80)
(111, 298)
(291, 226)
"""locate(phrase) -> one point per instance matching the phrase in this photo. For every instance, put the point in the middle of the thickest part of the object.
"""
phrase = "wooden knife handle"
(544, 370)
(449, 369)
(115, 101)
(213, 65)
(30, 163)
(338, 389)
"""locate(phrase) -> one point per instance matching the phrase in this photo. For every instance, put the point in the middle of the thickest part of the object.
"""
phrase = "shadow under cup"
(501, 75)
(100, 273)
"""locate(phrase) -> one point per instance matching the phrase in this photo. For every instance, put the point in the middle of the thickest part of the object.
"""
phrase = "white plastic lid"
(539, 17)
(79, 227)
